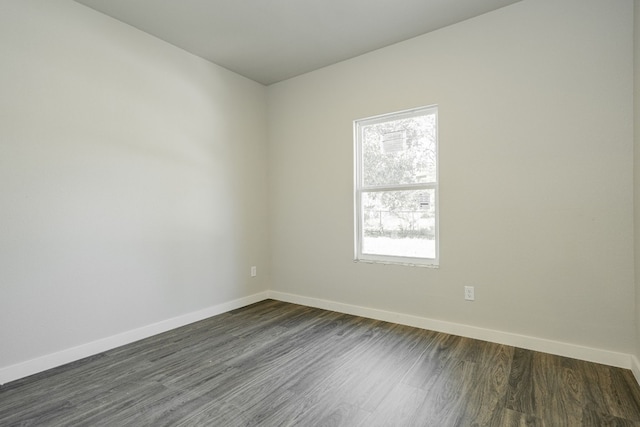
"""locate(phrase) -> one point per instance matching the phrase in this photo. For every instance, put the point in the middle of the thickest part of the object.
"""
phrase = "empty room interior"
(184, 230)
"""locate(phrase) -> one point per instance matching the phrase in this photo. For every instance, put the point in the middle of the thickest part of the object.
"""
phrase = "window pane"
(399, 223)
(399, 151)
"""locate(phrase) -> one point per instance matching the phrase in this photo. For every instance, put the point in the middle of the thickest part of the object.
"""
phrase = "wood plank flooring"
(279, 364)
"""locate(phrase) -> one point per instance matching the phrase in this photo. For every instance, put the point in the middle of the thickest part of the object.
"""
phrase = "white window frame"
(360, 188)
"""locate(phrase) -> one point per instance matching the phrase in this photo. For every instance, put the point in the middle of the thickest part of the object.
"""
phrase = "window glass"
(396, 188)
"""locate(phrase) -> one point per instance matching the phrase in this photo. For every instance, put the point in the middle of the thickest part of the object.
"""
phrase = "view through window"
(396, 187)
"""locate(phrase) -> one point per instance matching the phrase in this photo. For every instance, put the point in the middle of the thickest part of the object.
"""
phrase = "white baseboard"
(605, 357)
(30, 367)
(635, 368)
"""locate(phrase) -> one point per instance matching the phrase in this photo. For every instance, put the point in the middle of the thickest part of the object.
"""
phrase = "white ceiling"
(272, 40)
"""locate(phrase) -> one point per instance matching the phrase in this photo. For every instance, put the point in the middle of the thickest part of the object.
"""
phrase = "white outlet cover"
(469, 293)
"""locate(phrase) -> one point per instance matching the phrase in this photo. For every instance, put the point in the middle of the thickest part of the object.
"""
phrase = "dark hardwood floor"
(279, 364)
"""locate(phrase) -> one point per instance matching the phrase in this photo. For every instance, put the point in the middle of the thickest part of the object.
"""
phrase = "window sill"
(405, 263)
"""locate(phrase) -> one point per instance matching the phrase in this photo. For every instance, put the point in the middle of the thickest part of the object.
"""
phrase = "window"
(396, 187)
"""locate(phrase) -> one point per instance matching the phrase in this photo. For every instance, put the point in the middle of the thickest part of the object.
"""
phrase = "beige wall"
(132, 180)
(536, 154)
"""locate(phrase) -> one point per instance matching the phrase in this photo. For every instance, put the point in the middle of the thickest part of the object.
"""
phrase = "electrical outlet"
(254, 271)
(469, 293)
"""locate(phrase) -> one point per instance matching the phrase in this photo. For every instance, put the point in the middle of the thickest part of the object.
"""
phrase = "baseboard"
(635, 368)
(621, 360)
(53, 360)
